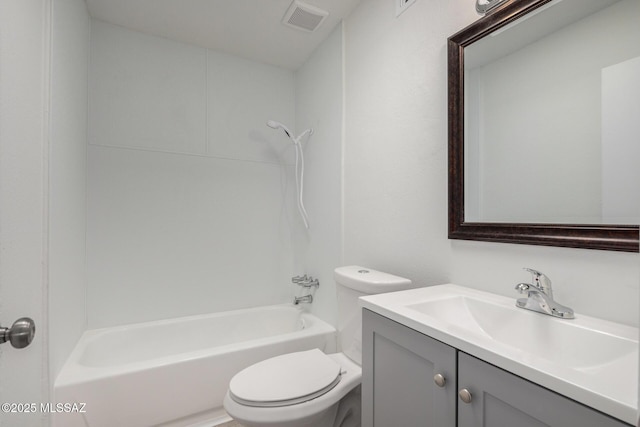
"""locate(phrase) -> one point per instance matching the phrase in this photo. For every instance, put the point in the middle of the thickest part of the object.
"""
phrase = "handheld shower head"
(275, 125)
(299, 164)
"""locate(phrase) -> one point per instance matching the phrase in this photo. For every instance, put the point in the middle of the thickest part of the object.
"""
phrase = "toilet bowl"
(310, 388)
(313, 402)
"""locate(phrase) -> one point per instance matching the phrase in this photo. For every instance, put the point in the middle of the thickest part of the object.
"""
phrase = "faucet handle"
(540, 280)
(305, 281)
(536, 274)
(299, 279)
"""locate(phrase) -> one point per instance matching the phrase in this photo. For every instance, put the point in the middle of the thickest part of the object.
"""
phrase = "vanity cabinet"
(399, 369)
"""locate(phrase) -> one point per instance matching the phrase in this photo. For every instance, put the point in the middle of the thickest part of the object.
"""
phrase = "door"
(23, 154)
(408, 379)
(498, 398)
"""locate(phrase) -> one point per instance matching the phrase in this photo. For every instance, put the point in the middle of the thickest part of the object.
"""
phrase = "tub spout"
(306, 298)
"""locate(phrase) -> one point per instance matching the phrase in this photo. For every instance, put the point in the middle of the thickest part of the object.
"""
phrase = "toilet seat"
(285, 380)
(305, 413)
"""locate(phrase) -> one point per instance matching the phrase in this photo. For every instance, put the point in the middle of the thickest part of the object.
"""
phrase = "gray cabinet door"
(398, 369)
(501, 399)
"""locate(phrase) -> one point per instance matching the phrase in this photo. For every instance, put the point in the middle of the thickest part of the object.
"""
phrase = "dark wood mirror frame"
(603, 236)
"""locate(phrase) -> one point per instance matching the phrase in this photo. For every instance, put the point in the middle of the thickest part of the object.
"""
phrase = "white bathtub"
(175, 372)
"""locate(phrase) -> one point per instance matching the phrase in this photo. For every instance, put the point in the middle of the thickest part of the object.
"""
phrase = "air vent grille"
(304, 17)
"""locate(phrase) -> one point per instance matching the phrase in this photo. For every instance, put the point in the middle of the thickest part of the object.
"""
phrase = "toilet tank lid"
(369, 281)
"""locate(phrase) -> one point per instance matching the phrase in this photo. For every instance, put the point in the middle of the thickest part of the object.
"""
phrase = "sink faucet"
(540, 297)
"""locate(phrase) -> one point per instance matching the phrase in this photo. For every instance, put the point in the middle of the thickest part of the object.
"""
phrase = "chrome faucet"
(540, 297)
(305, 282)
(305, 298)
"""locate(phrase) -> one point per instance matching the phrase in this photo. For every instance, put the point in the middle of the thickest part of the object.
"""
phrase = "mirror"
(543, 129)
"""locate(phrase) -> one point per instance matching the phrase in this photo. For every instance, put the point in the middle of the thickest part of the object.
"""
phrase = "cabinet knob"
(439, 380)
(465, 395)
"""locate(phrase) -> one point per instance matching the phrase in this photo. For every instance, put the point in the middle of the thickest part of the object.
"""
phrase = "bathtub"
(175, 372)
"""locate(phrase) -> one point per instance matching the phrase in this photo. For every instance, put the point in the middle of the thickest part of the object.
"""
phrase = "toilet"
(310, 388)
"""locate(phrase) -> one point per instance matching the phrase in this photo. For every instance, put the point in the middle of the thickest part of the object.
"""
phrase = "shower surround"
(190, 196)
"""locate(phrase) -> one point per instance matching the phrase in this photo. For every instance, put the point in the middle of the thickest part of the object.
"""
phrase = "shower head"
(275, 125)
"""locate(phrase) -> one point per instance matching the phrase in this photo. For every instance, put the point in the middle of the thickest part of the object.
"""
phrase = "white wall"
(318, 250)
(24, 95)
(395, 205)
(395, 189)
(189, 199)
(67, 178)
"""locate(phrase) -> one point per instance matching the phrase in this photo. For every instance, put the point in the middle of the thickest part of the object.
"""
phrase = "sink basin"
(590, 360)
(561, 341)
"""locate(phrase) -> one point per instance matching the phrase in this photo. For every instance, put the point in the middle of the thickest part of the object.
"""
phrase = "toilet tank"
(353, 282)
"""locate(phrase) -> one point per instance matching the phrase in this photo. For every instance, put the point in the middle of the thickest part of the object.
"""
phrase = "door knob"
(440, 380)
(20, 334)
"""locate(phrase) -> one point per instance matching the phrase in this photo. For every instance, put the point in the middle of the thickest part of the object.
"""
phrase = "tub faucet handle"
(299, 279)
(306, 281)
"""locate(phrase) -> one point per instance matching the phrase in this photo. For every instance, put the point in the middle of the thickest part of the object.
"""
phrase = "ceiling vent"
(304, 17)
